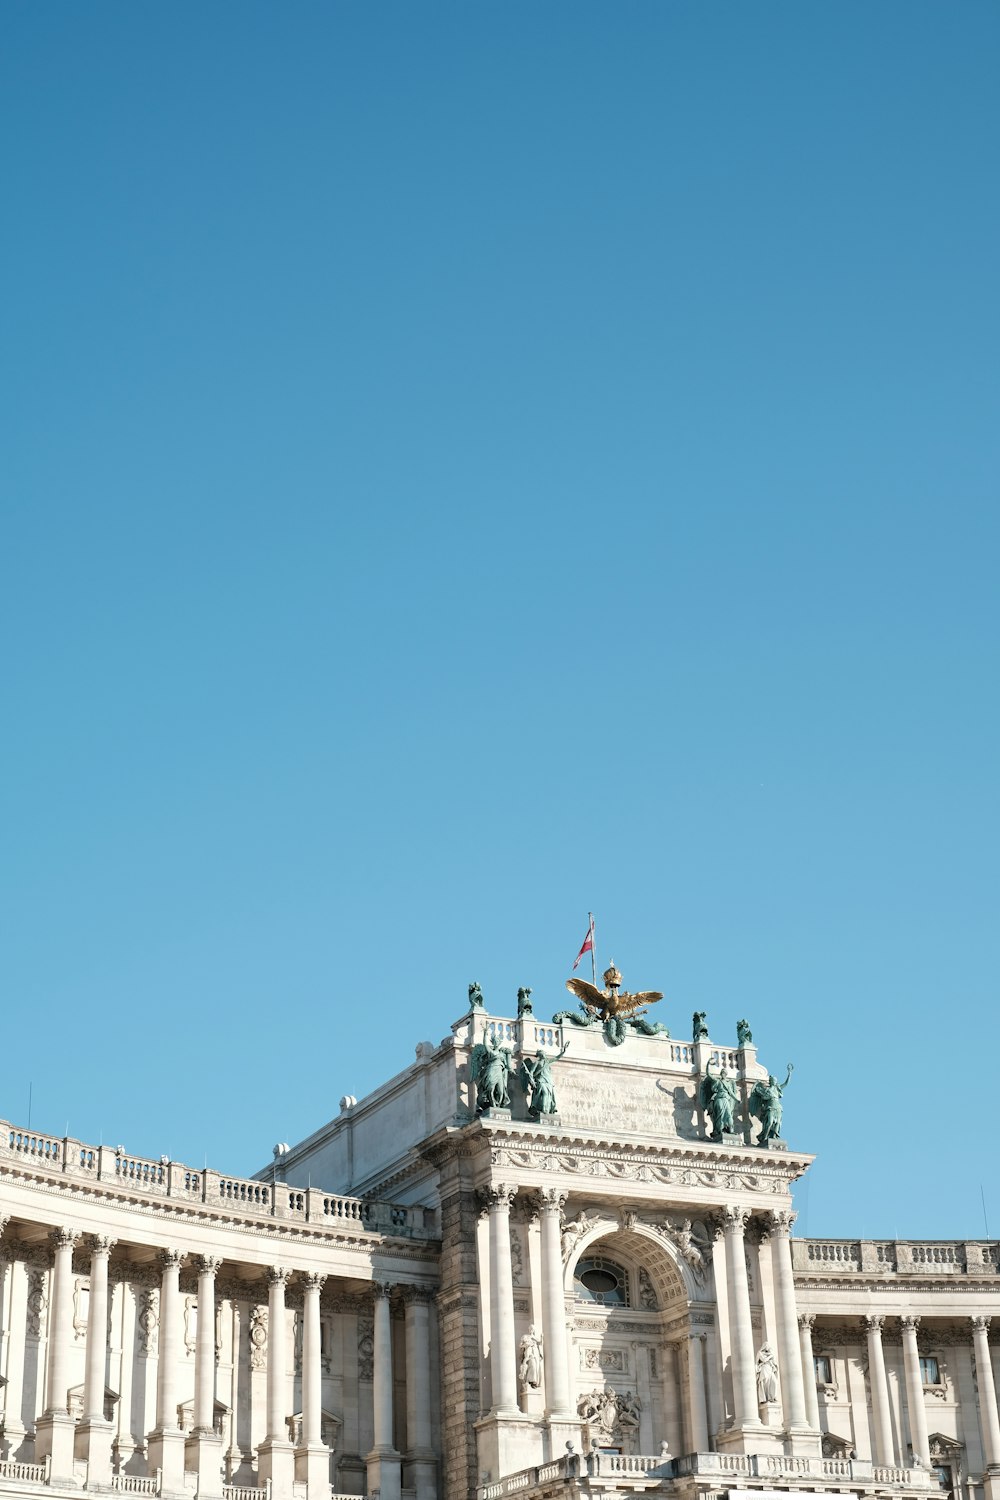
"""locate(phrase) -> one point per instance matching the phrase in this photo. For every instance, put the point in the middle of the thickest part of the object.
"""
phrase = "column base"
(276, 1462)
(750, 1437)
(507, 1442)
(420, 1474)
(561, 1429)
(384, 1473)
(165, 1451)
(54, 1439)
(312, 1468)
(203, 1454)
(804, 1442)
(93, 1442)
(991, 1483)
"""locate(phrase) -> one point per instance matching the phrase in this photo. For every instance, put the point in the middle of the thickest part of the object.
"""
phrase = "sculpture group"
(719, 1097)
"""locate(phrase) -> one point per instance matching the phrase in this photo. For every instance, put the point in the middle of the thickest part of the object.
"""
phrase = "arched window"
(600, 1280)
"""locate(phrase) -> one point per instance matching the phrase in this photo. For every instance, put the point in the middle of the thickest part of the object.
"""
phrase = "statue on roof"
(699, 1029)
(536, 1080)
(476, 996)
(718, 1097)
(744, 1036)
(616, 1007)
(490, 1066)
(765, 1105)
(524, 1002)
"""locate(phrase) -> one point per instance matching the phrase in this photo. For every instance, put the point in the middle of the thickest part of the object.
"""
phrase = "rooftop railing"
(902, 1257)
(143, 1178)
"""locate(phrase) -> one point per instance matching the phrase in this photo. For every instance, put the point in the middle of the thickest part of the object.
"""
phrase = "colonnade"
(60, 1438)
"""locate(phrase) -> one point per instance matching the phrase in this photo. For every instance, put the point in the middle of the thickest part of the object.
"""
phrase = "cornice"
(905, 1286)
(529, 1137)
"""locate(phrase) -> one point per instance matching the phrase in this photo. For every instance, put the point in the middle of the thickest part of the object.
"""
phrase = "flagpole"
(593, 949)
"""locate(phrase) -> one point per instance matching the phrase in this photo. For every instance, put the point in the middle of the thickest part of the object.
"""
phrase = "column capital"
(807, 1320)
(382, 1290)
(909, 1323)
(278, 1276)
(102, 1244)
(62, 1237)
(208, 1265)
(496, 1197)
(312, 1281)
(780, 1220)
(414, 1293)
(734, 1219)
(980, 1323)
(170, 1259)
(4, 1221)
(874, 1323)
(551, 1200)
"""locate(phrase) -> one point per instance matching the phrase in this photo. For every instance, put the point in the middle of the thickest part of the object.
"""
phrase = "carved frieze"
(366, 1349)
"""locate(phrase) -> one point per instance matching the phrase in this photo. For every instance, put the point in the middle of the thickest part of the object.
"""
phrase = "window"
(823, 1365)
(930, 1371)
(599, 1280)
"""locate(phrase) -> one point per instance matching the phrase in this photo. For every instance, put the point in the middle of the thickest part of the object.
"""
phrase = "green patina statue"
(718, 1098)
(524, 1002)
(536, 1079)
(475, 996)
(699, 1029)
(490, 1068)
(765, 1106)
(744, 1036)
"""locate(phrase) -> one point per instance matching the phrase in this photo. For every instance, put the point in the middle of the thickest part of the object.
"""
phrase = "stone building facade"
(485, 1302)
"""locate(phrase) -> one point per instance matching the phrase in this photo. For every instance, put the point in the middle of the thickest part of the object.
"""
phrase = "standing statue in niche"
(524, 1002)
(718, 1098)
(767, 1375)
(536, 1080)
(744, 1036)
(699, 1030)
(476, 996)
(765, 1106)
(490, 1068)
(529, 1371)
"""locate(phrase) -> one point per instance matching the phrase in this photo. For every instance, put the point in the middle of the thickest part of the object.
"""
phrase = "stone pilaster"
(203, 1449)
(803, 1437)
(420, 1466)
(459, 1332)
(165, 1447)
(383, 1461)
(275, 1456)
(806, 1323)
(94, 1434)
(747, 1431)
(697, 1410)
(916, 1414)
(54, 1429)
(989, 1420)
(312, 1456)
(880, 1392)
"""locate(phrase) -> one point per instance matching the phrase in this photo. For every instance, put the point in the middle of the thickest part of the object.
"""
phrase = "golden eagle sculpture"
(612, 1002)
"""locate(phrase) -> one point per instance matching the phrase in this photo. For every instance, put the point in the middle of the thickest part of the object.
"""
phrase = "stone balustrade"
(137, 1178)
(896, 1257)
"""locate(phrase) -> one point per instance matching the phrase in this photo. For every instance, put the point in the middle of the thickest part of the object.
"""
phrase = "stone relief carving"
(692, 1244)
(647, 1293)
(516, 1258)
(574, 1231)
(366, 1349)
(147, 1301)
(257, 1334)
(36, 1302)
(604, 1359)
(81, 1306)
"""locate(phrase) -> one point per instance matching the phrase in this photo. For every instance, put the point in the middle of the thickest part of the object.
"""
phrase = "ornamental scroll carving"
(147, 1301)
(36, 1303)
(257, 1334)
(366, 1349)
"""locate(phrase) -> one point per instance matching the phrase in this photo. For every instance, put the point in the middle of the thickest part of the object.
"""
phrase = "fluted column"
(989, 1420)
(277, 1429)
(97, 1331)
(914, 1391)
(697, 1410)
(880, 1392)
(60, 1321)
(789, 1353)
(554, 1349)
(275, 1456)
(503, 1365)
(806, 1321)
(734, 1221)
(54, 1428)
(204, 1356)
(419, 1452)
(383, 1462)
(312, 1457)
(165, 1446)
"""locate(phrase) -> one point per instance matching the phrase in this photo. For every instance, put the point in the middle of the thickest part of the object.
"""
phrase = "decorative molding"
(366, 1349)
(257, 1335)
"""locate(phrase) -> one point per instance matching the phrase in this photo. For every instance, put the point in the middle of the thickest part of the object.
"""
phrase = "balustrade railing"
(14, 1469)
(900, 1257)
(235, 1196)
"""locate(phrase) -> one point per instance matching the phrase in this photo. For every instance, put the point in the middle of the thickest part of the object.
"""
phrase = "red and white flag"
(588, 942)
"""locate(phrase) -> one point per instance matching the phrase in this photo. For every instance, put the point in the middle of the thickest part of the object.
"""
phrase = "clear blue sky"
(469, 464)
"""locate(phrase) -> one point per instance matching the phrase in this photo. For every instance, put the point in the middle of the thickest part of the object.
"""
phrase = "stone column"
(275, 1456)
(165, 1446)
(503, 1359)
(697, 1409)
(915, 1392)
(94, 1434)
(734, 1221)
(203, 1449)
(989, 1421)
(312, 1456)
(554, 1349)
(383, 1461)
(420, 1467)
(806, 1321)
(880, 1392)
(804, 1437)
(54, 1428)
